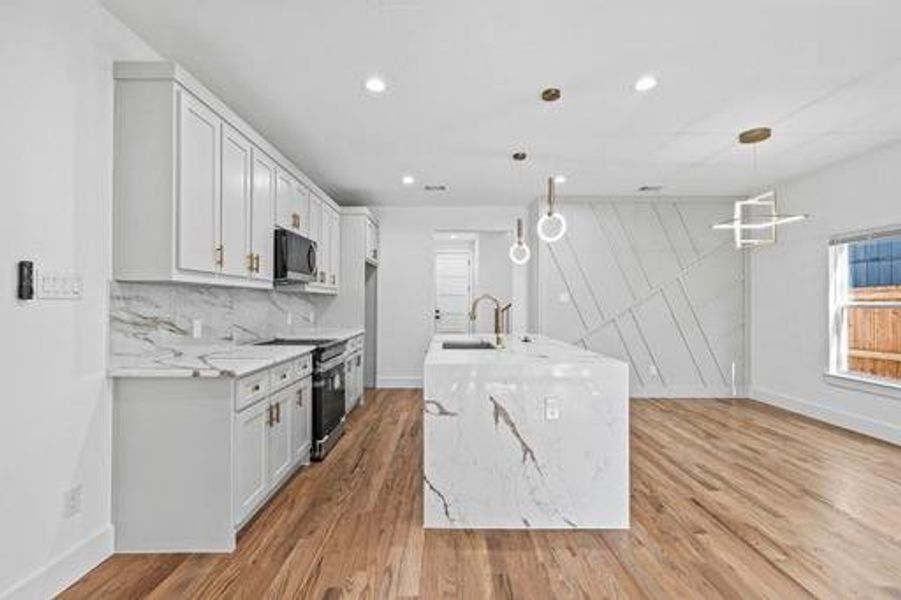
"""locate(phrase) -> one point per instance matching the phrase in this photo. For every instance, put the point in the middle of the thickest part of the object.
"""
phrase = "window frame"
(837, 372)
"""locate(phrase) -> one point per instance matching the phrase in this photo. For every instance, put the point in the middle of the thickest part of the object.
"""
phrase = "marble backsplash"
(148, 317)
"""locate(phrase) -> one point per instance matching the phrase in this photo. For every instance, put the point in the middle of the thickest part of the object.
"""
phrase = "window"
(865, 306)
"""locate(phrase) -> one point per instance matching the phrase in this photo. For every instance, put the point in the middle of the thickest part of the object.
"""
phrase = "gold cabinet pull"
(269, 417)
(256, 263)
(278, 413)
(220, 255)
(250, 262)
(295, 220)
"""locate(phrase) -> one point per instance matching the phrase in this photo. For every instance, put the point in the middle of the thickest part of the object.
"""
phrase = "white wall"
(649, 282)
(406, 282)
(494, 276)
(56, 91)
(788, 293)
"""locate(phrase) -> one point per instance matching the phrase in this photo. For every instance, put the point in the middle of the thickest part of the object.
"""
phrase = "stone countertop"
(214, 360)
(325, 332)
(539, 350)
(534, 435)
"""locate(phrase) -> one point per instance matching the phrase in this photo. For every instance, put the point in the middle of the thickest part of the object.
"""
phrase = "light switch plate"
(58, 286)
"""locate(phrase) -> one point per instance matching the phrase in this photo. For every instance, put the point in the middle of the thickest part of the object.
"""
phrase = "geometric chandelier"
(755, 220)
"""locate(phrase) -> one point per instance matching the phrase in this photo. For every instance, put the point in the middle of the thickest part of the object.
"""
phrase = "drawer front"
(251, 388)
(291, 372)
(306, 366)
(284, 374)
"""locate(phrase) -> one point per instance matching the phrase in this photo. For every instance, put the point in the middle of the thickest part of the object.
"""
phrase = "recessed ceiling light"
(408, 180)
(519, 156)
(650, 188)
(376, 85)
(645, 83)
(560, 179)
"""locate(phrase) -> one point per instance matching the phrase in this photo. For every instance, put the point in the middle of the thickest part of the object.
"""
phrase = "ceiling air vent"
(650, 188)
(436, 188)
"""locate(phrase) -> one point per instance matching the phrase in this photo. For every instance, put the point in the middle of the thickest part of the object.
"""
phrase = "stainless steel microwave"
(294, 257)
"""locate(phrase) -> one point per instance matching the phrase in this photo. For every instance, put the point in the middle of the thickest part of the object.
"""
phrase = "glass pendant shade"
(552, 225)
(519, 252)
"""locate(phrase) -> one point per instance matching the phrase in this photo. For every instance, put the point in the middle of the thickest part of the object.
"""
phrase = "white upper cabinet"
(292, 204)
(335, 253)
(198, 156)
(197, 192)
(263, 177)
(372, 241)
(234, 245)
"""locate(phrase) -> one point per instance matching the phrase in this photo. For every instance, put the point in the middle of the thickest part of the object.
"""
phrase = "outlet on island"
(551, 409)
(197, 329)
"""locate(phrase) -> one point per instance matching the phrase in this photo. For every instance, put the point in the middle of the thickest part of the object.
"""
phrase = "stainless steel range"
(328, 390)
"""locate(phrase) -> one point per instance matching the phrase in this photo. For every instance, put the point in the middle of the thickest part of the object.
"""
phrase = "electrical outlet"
(551, 409)
(563, 298)
(72, 502)
(197, 329)
(652, 371)
(290, 319)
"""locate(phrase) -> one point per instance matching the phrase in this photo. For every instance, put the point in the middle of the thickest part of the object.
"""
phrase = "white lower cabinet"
(196, 457)
(272, 437)
(302, 421)
(251, 461)
(280, 458)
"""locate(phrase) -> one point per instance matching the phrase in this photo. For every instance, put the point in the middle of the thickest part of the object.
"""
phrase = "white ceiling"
(464, 80)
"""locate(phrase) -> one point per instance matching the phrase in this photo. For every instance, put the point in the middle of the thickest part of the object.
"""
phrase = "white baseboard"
(856, 423)
(399, 382)
(65, 569)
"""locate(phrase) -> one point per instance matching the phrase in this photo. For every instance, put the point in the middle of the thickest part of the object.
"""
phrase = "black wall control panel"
(26, 280)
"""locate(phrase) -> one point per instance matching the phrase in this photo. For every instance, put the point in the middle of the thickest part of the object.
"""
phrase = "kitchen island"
(533, 433)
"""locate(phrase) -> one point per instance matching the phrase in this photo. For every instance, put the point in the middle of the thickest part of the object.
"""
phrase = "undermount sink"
(464, 345)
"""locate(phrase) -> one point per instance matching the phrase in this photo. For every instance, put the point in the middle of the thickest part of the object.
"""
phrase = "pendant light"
(519, 251)
(754, 220)
(551, 225)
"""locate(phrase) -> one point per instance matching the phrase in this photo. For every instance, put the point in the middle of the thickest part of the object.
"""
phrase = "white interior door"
(453, 291)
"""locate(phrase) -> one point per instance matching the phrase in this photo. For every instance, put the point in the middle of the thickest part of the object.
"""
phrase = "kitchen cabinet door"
(261, 215)
(325, 245)
(301, 425)
(279, 435)
(372, 241)
(335, 254)
(287, 208)
(251, 459)
(235, 210)
(302, 208)
(199, 151)
(315, 217)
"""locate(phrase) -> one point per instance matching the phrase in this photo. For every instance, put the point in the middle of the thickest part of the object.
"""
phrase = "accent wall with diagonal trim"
(650, 283)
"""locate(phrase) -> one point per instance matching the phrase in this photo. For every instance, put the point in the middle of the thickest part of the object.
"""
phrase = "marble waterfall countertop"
(216, 360)
(531, 435)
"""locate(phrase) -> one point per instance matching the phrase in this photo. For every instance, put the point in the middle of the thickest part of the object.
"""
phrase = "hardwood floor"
(729, 499)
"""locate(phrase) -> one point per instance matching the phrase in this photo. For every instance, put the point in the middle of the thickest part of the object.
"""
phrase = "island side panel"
(493, 460)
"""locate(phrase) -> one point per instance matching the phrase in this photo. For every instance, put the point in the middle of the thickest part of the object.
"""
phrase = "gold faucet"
(501, 314)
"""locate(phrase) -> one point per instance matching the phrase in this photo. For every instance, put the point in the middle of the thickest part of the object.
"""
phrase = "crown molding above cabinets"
(198, 192)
